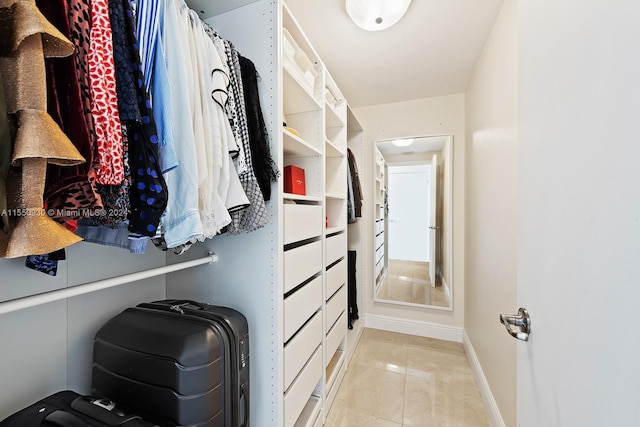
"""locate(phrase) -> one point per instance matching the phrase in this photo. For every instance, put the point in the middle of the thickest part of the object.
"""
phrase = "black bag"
(176, 362)
(69, 409)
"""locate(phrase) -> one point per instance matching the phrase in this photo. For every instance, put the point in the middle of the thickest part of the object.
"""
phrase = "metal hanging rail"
(46, 297)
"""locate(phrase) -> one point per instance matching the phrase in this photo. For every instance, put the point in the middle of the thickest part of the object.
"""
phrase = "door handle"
(433, 227)
(519, 325)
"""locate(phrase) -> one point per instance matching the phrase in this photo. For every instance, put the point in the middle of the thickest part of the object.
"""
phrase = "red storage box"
(294, 180)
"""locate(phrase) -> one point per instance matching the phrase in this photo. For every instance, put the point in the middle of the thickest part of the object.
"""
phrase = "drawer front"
(379, 240)
(336, 277)
(301, 222)
(301, 263)
(336, 335)
(379, 226)
(335, 306)
(298, 351)
(336, 247)
(300, 306)
(298, 394)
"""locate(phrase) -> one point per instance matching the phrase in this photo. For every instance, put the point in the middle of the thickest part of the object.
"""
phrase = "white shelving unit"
(380, 258)
(290, 278)
(356, 233)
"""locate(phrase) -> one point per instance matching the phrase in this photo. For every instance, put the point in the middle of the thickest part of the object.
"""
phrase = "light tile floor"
(408, 281)
(397, 380)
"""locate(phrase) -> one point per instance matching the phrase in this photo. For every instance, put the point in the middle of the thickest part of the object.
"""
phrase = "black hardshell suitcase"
(177, 362)
(69, 409)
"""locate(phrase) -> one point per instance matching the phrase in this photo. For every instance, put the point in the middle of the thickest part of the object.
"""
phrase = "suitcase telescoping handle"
(180, 305)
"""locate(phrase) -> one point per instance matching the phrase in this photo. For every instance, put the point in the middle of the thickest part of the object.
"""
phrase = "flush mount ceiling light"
(402, 142)
(376, 15)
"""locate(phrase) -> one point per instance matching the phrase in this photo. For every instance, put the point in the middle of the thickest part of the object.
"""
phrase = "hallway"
(397, 380)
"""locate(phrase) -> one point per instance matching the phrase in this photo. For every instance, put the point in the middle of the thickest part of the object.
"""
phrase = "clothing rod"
(46, 297)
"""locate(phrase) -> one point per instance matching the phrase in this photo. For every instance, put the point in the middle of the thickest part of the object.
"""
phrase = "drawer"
(336, 277)
(301, 222)
(336, 335)
(298, 394)
(298, 351)
(379, 227)
(301, 305)
(379, 240)
(336, 247)
(311, 415)
(301, 263)
(335, 306)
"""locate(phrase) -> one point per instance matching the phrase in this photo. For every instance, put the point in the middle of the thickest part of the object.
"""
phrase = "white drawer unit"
(296, 398)
(301, 263)
(298, 351)
(335, 335)
(301, 305)
(336, 276)
(301, 222)
(335, 306)
(336, 247)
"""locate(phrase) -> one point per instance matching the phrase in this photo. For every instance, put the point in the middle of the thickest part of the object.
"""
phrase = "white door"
(408, 203)
(579, 212)
(433, 223)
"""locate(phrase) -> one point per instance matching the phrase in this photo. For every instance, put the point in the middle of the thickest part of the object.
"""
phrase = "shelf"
(332, 230)
(333, 368)
(333, 118)
(332, 150)
(336, 196)
(297, 99)
(289, 196)
(294, 146)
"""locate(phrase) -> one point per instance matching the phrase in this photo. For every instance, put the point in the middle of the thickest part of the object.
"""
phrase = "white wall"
(49, 348)
(490, 244)
(433, 116)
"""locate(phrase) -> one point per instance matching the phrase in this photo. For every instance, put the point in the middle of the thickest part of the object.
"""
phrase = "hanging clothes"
(356, 187)
(69, 194)
(104, 107)
(5, 158)
(26, 39)
(265, 168)
(181, 222)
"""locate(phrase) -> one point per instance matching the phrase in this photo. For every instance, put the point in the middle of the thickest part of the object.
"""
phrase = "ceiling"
(419, 145)
(431, 52)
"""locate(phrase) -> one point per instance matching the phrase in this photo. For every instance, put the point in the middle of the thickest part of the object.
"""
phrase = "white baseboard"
(489, 402)
(414, 327)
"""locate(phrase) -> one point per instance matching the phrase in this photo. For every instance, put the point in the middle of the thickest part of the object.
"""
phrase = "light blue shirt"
(181, 221)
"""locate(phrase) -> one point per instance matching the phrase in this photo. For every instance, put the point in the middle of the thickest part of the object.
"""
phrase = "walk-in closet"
(289, 276)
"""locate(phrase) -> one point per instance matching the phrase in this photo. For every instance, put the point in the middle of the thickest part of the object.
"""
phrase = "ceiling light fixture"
(376, 15)
(402, 142)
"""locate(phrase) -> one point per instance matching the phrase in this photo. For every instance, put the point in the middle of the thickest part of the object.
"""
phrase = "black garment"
(148, 194)
(352, 293)
(264, 167)
(355, 179)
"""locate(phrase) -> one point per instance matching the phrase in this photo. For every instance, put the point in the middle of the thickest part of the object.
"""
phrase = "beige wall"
(490, 255)
(424, 117)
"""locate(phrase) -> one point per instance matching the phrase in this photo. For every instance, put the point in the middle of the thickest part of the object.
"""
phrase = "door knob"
(433, 227)
(519, 325)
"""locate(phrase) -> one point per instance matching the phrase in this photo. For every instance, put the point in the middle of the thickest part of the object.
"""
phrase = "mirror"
(413, 243)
